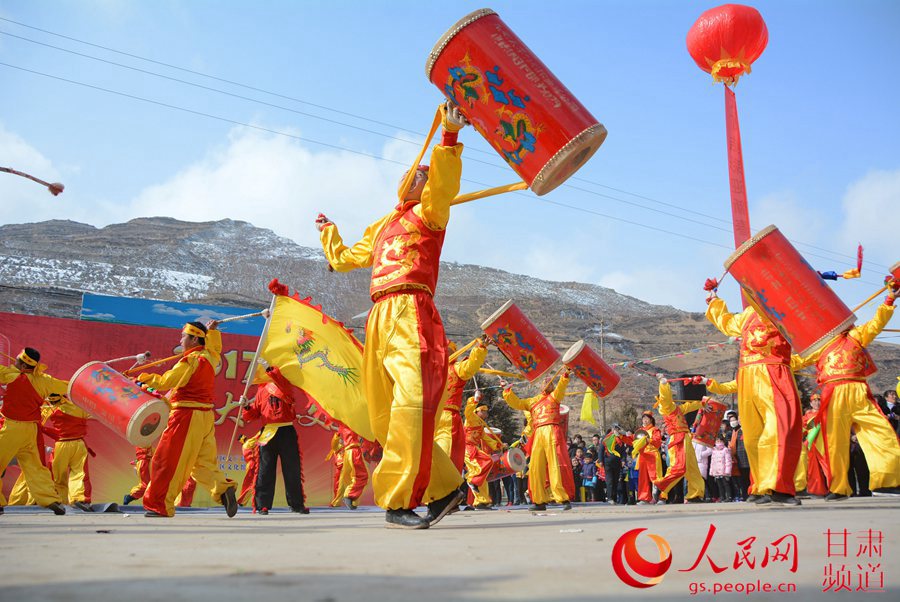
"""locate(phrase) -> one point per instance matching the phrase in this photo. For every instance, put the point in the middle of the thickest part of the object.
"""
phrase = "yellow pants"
(69, 459)
(682, 463)
(800, 475)
(19, 440)
(187, 448)
(770, 414)
(404, 374)
(851, 405)
(547, 464)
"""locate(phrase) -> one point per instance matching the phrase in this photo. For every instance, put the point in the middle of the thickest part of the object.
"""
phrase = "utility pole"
(602, 403)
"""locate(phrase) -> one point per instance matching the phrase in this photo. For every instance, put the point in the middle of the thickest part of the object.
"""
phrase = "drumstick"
(866, 302)
(251, 370)
(155, 363)
(480, 194)
(499, 373)
(140, 358)
(264, 313)
(462, 350)
(55, 188)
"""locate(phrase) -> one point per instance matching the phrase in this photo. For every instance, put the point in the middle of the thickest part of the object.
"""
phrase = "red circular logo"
(632, 568)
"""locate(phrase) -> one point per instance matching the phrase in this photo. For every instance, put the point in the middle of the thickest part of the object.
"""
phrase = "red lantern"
(726, 40)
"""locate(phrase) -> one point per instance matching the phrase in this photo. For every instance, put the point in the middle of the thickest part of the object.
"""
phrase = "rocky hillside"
(44, 268)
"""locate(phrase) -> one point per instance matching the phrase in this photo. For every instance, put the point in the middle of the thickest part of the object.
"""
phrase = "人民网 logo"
(632, 568)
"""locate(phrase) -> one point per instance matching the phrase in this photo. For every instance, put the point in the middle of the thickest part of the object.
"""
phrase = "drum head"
(573, 352)
(563, 409)
(450, 34)
(495, 430)
(516, 459)
(568, 159)
(147, 424)
(895, 270)
(747, 244)
(493, 318)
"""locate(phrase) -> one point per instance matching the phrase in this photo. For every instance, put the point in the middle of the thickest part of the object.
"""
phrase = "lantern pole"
(740, 215)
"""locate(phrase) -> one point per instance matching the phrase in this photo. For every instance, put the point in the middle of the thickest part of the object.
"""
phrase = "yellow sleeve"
(468, 367)
(722, 388)
(666, 403)
(8, 374)
(46, 385)
(493, 441)
(690, 406)
(214, 347)
(638, 445)
(866, 333)
(727, 323)
(516, 402)
(178, 376)
(559, 392)
(343, 258)
(442, 186)
(799, 363)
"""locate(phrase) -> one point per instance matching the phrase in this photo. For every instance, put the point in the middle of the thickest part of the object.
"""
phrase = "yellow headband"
(193, 331)
(482, 407)
(25, 359)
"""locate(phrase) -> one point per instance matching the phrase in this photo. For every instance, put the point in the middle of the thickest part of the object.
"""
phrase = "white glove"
(452, 118)
(321, 222)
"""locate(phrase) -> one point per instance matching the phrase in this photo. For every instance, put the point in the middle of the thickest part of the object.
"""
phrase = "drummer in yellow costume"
(449, 434)
(768, 402)
(549, 458)
(26, 388)
(842, 367)
(405, 355)
(682, 458)
(479, 447)
(187, 447)
(70, 454)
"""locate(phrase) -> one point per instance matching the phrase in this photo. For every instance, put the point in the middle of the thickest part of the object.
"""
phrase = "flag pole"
(251, 371)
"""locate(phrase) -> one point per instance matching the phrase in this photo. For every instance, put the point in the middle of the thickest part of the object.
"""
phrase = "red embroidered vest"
(455, 386)
(21, 402)
(201, 387)
(844, 359)
(70, 427)
(545, 412)
(406, 254)
(761, 343)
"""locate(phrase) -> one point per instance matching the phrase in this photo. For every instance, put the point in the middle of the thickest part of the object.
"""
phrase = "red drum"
(118, 403)
(513, 100)
(707, 423)
(895, 271)
(590, 367)
(564, 421)
(520, 341)
(781, 285)
(508, 463)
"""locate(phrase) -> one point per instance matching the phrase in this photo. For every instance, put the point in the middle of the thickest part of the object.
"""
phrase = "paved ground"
(338, 555)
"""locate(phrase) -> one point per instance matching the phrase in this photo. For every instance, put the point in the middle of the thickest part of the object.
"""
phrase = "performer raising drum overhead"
(187, 447)
(405, 356)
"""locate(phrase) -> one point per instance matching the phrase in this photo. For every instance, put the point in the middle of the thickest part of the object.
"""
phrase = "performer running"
(682, 458)
(274, 405)
(768, 400)
(354, 474)
(68, 425)
(478, 452)
(26, 388)
(842, 367)
(449, 434)
(549, 457)
(649, 462)
(187, 446)
(405, 357)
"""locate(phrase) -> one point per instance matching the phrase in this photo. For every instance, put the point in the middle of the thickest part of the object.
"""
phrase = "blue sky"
(649, 215)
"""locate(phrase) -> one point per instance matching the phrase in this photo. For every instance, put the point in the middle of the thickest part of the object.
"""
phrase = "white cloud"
(657, 285)
(795, 220)
(871, 214)
(23, 199)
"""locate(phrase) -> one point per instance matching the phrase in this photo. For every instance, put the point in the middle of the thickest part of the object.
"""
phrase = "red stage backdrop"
(66, 345)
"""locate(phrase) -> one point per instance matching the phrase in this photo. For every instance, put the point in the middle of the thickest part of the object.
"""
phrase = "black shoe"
(152, 514)
(468, 508)
(57, 508)
(83, 506)
(785, 499)
(751, 499)
(484, 507)
(230, 502)
(566, 506)
(300, 510)
(1, 509)
(803, 494)
(835, 497)
(695, 500)
(448, 504)
(886, 491)
(127, 499)
(762, 500)
(404, 519)
(349, 504)
(264, 511)
(537, 507)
